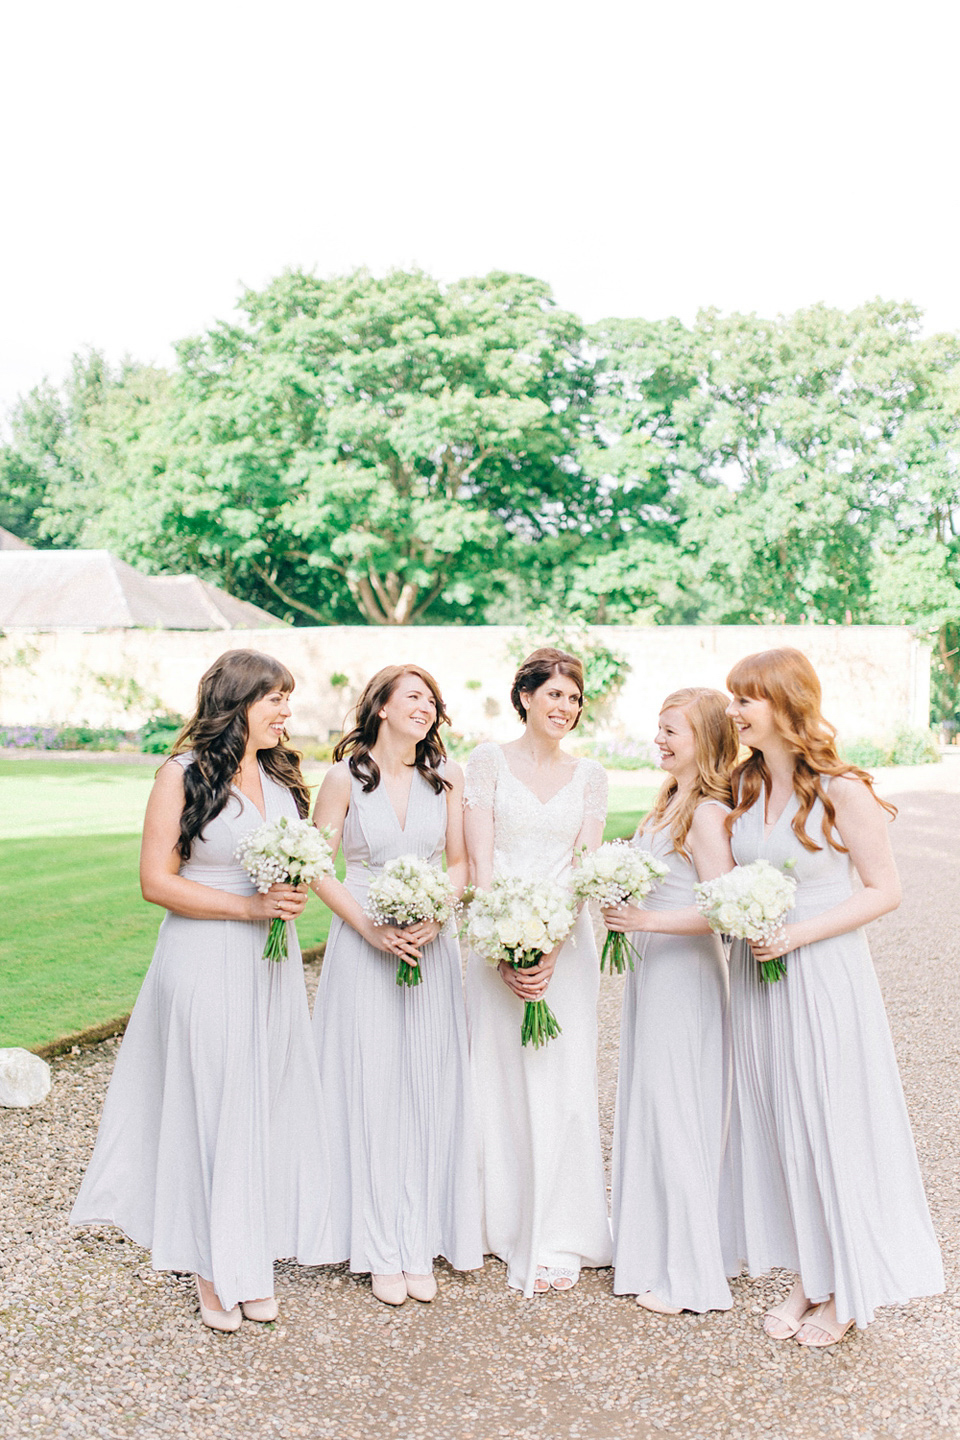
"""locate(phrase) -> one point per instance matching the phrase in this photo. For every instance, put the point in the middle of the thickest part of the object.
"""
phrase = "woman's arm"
(709, 847)
(478, 837)
(862, 826)
(330, 812)
(456, 845)
(160, 861)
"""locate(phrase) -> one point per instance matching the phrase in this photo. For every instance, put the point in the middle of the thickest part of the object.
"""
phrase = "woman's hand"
(530, 983)
(627, 917)
(281, 902)
(423, 932)
(777, 946)
(393, 940)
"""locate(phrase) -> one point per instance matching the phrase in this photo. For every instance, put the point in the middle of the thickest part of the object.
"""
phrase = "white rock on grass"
(24, 1078)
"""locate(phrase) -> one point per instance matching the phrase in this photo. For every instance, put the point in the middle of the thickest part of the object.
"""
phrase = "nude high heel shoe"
(390, 1289)
(262, 1310)
(421, 1287)
(227, 1320)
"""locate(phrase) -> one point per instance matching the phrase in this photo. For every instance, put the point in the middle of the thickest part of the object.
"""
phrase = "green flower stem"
(276, 946)
(620, 952)
(539, 1022)
(408, 974)
(772, 970)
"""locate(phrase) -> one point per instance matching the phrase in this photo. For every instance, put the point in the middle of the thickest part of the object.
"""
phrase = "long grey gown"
(394, 1068)
(672, 1102)
(824, 1178)
(212, 1151)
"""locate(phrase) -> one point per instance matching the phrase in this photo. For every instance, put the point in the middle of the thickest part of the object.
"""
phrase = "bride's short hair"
(537, 669)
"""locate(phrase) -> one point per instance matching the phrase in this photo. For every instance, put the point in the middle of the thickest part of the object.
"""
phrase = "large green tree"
(368, 449)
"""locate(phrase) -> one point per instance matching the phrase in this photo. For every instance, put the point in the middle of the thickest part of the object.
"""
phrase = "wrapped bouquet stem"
(409, 891)
(616, 873)
(751, 903)
(284, 852)
(520, 921)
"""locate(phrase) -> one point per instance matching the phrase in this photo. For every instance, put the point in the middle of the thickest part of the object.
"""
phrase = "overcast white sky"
(644, 159)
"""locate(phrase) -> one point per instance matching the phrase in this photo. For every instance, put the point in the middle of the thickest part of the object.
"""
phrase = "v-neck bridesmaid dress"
(394, 1067)
(212, 1149)
(823, 1175)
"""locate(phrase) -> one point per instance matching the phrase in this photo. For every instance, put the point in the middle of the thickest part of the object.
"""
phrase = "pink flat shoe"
(648, 1301)
(815, 1319)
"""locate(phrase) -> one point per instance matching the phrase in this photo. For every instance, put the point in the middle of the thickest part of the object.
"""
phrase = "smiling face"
(754, 720)
(411, 711)
(267, 719)
(554, 707)
(677, 744)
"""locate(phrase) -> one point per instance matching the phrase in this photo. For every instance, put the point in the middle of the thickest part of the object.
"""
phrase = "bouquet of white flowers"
(408, 891)
(284, 852)
(519, 921)
(750, 902)
(616, 873)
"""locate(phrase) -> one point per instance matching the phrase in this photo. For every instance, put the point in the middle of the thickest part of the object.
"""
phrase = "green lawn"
(77, 936)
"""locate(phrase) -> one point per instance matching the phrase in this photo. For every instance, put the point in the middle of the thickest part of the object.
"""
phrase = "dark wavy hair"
(537, 669)
(359, 742)
(786, 678)
(217, 734)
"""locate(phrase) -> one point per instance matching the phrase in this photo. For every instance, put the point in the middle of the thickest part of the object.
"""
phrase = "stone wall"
(875, 678)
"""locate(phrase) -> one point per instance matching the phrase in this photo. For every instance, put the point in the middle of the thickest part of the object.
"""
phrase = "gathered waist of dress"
(219, 877)
(814, 896)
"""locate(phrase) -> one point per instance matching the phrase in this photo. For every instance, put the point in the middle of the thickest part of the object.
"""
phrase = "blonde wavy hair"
(716, 746)
(789, 682)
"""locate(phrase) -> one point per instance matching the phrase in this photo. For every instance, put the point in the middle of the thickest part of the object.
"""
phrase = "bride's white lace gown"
(541, 1169)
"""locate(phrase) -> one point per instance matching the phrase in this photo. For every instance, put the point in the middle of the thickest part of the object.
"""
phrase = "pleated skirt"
(672, 1109)
(823, 1176)
(211, 1151)
(397, 1106)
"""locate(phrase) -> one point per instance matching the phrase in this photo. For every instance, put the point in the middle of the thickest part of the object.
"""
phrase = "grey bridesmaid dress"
(212, 1150)
(823, 1174)
(394, 1068)
(672, 1106)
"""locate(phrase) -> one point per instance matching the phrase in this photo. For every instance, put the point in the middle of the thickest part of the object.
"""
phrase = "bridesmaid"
(211, 1151)
(824, 1174)
(530, 809)
(393, 1058)
(672, 1087)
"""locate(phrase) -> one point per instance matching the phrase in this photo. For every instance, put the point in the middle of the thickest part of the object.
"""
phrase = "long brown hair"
(217, 734)
(362, 738)
(716, 745)
(789, 682)
(537, 669)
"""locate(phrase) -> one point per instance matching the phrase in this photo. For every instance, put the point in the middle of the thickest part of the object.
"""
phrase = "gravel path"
(94, 1343)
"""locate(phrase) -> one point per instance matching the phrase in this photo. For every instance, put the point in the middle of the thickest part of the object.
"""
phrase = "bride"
(529, 808)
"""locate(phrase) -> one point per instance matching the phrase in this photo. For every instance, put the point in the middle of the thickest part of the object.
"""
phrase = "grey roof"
(93, 590)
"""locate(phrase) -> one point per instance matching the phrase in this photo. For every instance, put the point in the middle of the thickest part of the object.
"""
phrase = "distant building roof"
(93, 590)
(9, 541)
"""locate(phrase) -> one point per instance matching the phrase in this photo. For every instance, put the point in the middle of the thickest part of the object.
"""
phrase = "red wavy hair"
(789, 682)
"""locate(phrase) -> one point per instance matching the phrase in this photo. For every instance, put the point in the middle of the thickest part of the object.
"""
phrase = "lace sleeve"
(480, 777)
(595, 792)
